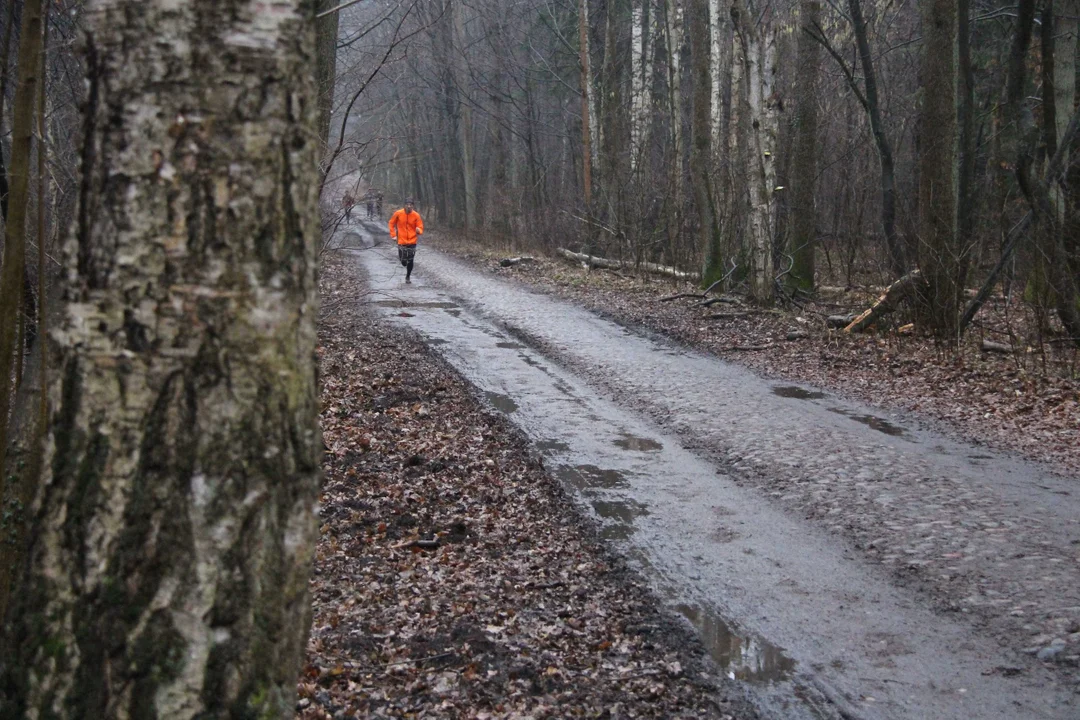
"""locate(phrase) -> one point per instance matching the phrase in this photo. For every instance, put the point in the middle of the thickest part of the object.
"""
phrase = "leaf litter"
(454, 578)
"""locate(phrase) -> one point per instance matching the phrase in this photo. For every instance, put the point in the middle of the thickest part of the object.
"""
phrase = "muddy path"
(812, 542)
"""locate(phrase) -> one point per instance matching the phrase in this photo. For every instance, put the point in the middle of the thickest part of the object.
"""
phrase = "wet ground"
(746, 502)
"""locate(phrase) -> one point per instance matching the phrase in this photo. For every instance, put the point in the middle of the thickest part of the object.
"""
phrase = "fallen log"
(742, 313)
(991, 346)
(750, 348)
(594, 261)
(679, 296)
(510, 262)
(843, 290)
(839, 321)
(886, 303)
(721, 299)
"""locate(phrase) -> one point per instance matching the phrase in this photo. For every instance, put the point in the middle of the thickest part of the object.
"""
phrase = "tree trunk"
(673, 36)
(897, 261)
(1059, 89)
(641, 102)
(938, 254)
(12, 277)
(711, 241)
(1068, 32)
(167, 572)
(463, 113)
(716, 44)
(326, 64)
(587, 121)
(803, 237)
(737, 207)
(966, 200)
(5, 48)
(758, 56)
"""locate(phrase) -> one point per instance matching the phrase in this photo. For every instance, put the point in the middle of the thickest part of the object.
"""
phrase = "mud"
(760, 527)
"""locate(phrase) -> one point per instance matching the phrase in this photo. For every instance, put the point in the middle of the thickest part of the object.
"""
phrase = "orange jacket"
(406, 227)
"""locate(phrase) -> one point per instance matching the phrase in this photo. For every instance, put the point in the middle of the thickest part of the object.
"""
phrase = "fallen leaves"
(453, 578)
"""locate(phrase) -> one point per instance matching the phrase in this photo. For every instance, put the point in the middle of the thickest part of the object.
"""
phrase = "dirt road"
(811, 541)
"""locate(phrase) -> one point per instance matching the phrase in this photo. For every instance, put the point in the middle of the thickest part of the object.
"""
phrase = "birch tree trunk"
(642, 39)
(938, 254)
(171, 543)
(758, 46)
(716, 43)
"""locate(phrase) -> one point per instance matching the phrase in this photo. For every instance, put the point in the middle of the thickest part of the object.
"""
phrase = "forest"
(770, 146)
(200, 427)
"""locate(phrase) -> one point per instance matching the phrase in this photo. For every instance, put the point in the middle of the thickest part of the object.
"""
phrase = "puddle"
(533, 363)
(588, 478)
(617, 533)
(618, 517)
(510, 345)
(503, 403)
(638, 444)
(874, 422)
(563, 388)
(552, 446)
(796, 392)
(410, 304)
(749, 657)
(624, 511)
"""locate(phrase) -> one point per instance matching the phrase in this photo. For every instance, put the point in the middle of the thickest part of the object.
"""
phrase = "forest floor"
(453, 577)
(1027, 402)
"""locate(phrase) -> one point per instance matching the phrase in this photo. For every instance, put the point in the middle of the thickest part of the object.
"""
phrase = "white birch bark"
(758, 55)
(716, 28)
(589, 88)
(643, 35)
(171, 540)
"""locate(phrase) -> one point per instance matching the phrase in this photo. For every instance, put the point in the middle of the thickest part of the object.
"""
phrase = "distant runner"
(347, 203)
(406, 227)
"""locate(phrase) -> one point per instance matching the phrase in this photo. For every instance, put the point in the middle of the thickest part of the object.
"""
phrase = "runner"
(406, 227)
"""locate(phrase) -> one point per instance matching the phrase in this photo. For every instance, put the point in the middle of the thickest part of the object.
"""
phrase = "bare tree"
(938, 252)
(701, 143)
(756, 53)
(803, 236)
